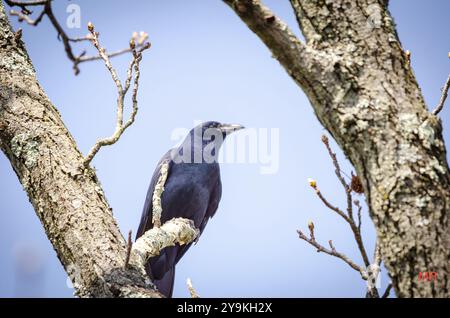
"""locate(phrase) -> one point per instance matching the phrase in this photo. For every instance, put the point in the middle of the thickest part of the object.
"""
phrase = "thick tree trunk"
(67, 198)
(363, 90)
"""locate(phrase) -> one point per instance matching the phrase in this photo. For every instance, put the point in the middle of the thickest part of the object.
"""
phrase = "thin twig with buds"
(122, 91)
(332, 251)
(369, 271)
(348, 192)
(47, 10)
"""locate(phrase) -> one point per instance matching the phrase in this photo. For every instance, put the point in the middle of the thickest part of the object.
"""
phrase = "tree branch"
(157, 193)
(294, 55)
(48, 11)
(129, 247)
(348, 192)
(332, 251)
(444, 95)
(380, 121)
(122, 91)
(175, 231)
(26, 17)
(69, 201)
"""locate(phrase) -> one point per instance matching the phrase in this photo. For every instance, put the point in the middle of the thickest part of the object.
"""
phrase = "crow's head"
(213, 128)
(205, 140)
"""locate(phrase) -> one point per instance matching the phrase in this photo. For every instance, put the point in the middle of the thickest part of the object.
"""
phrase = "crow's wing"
(214, 200)
(147, 212)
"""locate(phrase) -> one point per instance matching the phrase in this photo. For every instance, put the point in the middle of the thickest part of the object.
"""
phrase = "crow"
(192, 190)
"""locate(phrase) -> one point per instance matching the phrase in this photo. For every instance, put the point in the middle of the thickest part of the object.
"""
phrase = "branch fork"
(369, 271)
(133, 70)
(24, 16)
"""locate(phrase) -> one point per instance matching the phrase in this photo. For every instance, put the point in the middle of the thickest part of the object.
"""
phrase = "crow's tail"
(165, 284)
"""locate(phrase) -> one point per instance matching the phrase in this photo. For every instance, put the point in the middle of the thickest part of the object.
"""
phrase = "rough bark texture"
(363, 90)
(67, 198)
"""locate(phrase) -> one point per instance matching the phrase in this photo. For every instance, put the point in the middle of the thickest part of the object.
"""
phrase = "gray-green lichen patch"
(408, 124)
(427, 134)
(26, 147)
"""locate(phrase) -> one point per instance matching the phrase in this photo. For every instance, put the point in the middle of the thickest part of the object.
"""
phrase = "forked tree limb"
(359, 81)
(47, 10)
(67, 196)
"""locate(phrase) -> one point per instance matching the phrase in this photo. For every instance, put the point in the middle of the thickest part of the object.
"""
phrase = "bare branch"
(129, 246)
(157, 193)
(348, 192)
(332, 251)
(191, 289)
(358, 205)
(47, 10)
(175, 231)
(122, 90)
(332, 207)
(294, 55)
(444, 95)
(24, 4)
(26, 17)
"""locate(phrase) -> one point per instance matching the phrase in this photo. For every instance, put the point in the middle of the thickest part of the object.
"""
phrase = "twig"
(348, 192)
(157, 193)
(26, 17)
(332, 251)
(332, 207)
(129, 246)
(387, 291)
(368, 272)
(122, 91)
(338, 173)
(48, 10)
(358, 205)
(444, 95)
(351, 222)
(191, 289)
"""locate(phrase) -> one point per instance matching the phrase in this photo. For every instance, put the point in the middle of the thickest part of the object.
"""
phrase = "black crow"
(192, 190)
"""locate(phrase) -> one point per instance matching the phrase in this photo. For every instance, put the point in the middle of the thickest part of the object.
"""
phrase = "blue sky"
(205, 64)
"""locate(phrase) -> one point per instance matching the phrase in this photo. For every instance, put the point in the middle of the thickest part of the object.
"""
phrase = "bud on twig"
(311, 230)
(408, 56)
(90, 27)
(132, 44)
(312, 183)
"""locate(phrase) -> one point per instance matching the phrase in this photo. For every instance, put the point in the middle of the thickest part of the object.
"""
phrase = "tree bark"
(67, 197)
(363, 91)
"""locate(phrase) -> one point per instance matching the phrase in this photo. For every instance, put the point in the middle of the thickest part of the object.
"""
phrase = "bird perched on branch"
(192, 190)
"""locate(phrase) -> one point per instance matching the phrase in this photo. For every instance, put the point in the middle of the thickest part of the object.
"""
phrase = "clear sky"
(206, 65)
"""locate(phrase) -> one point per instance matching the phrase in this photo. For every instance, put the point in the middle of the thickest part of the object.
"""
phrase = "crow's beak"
(229, 128)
